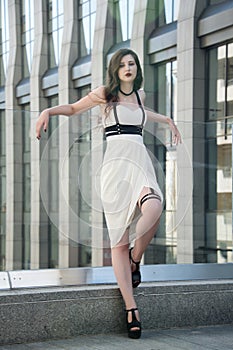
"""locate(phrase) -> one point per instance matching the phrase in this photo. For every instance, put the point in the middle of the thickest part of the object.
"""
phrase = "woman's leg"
(122, 270)
(147, 225)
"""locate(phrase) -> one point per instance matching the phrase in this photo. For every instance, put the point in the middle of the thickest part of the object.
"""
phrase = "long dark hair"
(113, 82)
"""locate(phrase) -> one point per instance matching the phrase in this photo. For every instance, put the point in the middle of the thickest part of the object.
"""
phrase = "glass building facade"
(50, 211)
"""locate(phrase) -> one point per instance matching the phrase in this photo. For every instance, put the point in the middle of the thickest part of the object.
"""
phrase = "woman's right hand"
(42, 123)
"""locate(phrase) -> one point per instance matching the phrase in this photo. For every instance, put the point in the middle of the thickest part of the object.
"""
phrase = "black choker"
(124, 93)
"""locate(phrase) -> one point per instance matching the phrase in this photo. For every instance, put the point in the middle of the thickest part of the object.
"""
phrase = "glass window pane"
(86, 29)
(165, 11)
(27, 35)
(4, 39)
(164, 88)
(55, 28)
(168, 11)
(3, 207)
(174, 90)
(93, 6)
(87, 18)
(130, 17)
(81, 127)
(27, 187)
(2, 133)
(52, 59)
(219, 155)
(60, 7)
(230, 80)
(166, 238)
(217, 68)
(124, 19)
(86, 9)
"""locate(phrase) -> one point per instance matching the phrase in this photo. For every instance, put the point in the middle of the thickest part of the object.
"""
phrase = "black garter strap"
(151, 195)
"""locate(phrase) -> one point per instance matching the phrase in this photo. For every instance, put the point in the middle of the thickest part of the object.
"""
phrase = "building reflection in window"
(4, 40)
(53, 176)
(219, 153)
(168, 11)
(27, 32)
(26, 170)
(86, 15)
(126, 18)
(163, 249)
(80, 178)
(123, 20)
(55, 12)
(2, 190)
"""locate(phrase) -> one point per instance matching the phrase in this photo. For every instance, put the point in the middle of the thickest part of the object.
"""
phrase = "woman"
(128, 181)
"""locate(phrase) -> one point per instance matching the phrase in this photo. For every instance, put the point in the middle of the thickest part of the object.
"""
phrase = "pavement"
(198, 338)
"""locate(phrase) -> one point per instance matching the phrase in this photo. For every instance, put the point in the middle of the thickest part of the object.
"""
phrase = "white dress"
(127, 168)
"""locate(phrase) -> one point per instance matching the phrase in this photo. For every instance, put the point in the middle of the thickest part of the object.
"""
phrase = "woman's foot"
(136, 274)
(133, 324)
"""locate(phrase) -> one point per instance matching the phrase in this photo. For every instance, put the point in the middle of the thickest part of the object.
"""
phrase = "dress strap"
(115, 114)
(141, 106)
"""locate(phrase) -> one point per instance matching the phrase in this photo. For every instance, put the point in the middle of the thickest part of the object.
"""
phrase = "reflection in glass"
(4, 40)
(26, 188)
(87, 15)
(230, 80)
(168, 11)
(27, 32)
(2, 190)
(216, 85)
(55, 13)
(53, 180)
(80, 177)
(126, 18)
(219, 154)
(166, 239)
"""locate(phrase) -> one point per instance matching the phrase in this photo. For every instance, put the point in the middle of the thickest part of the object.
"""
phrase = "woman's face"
(128, 69)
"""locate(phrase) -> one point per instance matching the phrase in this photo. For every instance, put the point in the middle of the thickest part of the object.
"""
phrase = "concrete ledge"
(50, 313)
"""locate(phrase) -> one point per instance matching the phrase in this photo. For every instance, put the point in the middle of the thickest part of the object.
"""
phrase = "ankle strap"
(131, 310)
(137, 263)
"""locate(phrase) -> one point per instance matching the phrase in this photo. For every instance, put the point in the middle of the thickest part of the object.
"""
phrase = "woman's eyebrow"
(130, 61)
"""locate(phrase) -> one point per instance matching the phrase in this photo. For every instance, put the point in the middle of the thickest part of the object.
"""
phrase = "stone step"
(39, 314)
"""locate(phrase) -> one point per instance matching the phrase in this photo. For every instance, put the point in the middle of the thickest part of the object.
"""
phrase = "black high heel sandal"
(133, 333)
(136, 275)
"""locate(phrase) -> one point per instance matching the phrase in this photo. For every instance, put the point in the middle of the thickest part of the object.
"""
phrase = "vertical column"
(37, 103)
(191, 116)
(143, 25)
(97, 137)
(139, 26)
(69, 54)
(13, 143)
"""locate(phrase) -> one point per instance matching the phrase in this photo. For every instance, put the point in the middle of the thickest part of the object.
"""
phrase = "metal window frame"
(105, 275)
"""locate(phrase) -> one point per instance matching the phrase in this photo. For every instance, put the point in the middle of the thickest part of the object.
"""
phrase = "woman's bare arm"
(94, 98)
(160, 118)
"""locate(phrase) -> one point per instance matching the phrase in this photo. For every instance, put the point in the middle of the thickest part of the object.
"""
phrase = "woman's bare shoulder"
(98, 94)
(142, 95)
